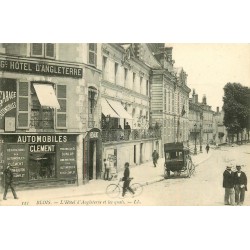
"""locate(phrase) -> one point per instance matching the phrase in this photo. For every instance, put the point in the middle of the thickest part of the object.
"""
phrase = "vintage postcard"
(124, 124)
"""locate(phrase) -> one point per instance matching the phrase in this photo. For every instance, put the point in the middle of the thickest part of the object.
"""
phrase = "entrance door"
(92, 160)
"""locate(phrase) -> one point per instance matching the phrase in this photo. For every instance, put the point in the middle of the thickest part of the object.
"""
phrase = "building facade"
(169, 97)
(44, 132)
(125, 97)
(201, 121)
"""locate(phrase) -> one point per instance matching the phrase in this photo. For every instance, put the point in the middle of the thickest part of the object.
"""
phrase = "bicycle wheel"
(113, 190)
(137, 188)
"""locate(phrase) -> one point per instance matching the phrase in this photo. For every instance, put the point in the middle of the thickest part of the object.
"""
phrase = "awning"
(107, 110)
(117, 106)
(46, 95)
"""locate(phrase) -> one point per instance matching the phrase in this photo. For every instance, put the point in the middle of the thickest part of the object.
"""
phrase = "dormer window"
(44, 50)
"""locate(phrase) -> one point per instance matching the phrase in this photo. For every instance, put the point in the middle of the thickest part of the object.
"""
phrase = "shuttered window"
(23, 105)
(61, 114)
(92, 54)
(46, 50)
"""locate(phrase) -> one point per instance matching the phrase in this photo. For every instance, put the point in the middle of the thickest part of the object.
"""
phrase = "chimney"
(204, 100)
(193, 96)
(168, 52)
(217, 110)
(196, 98)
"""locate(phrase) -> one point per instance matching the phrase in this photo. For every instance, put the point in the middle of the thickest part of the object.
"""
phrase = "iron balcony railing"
(129, 135)
(42, 124)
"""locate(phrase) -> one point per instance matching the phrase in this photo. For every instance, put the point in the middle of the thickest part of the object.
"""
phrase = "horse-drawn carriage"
(177, 160)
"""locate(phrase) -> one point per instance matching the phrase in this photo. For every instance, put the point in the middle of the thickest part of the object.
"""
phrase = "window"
(105, 67)
(141, 79)
(46, 50)
(116, 72)
(41, 117)
(92, 94)
(93, 54)
(147, 90)
(125, 76)
(42, 166)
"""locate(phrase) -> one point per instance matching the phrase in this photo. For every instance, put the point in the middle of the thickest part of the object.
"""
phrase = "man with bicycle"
(126, 180)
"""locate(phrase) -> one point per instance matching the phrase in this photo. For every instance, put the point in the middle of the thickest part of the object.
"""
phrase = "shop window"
(46, 50)
(93, 54)
(41, 117)
(41, 166)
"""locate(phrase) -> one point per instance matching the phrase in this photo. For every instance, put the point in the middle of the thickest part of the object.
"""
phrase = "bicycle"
(113, 190)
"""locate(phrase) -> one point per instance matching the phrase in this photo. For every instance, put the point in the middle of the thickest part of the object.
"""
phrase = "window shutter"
(37, 49)
(61, 114)
(23, 105)
(50, 50)
(92, 53)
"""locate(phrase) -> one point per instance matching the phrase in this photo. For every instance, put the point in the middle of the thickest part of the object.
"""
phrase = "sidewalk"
(145, 174)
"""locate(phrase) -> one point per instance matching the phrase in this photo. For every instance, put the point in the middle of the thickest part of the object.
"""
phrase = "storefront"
(40, 158)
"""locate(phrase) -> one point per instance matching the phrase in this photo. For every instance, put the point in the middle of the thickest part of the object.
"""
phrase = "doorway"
(92, 160)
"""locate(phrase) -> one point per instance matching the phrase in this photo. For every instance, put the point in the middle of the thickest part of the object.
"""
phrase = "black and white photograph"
(124, 124)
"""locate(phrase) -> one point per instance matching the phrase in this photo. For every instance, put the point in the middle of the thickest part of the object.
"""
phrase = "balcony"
(115, 135)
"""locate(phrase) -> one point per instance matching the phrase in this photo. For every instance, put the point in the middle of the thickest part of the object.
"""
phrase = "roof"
(174, 146)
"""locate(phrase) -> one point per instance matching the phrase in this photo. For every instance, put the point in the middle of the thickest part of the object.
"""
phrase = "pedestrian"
(126, 180)
(107, 170)
(207, 148)
(8, 182)
(240, 182)
(127, 130)
(155, 157)
(228, 184)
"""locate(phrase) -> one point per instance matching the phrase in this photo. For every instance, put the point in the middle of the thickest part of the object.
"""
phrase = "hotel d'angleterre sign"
(40, 68)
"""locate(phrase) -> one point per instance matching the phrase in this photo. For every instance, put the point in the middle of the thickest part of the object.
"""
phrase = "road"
(202, 189)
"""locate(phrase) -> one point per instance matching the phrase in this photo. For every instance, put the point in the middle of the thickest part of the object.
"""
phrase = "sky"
(211, 66)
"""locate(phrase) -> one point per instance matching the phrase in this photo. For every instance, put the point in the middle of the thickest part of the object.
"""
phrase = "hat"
(238, 166)
(229, 167)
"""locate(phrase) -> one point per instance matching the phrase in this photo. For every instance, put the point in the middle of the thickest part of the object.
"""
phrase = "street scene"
(204, 188)
(124, 124)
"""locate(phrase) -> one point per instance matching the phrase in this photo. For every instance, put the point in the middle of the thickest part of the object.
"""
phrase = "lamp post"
(195, 149)
(200, 139)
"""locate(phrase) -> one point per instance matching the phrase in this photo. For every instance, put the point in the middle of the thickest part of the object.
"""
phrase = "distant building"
(169, 97)
(200, 121)
(219, 128)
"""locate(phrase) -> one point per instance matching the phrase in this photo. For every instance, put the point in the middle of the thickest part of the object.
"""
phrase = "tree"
(236, 108)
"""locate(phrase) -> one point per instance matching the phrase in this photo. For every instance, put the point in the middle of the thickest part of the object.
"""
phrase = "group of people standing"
(235, 184)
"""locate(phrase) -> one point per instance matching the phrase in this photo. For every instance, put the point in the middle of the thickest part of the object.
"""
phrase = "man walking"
(228, 184)
(240, 181)
(126, 180)
(207, 148)
(8, 182)
(155, 157)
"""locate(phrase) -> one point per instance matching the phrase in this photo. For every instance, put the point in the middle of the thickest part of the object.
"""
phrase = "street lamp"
(200, 139)
(195, 149)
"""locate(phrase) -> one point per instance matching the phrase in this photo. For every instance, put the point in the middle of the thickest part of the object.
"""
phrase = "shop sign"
(37, 148)
(8, 99)
(93, 135)
(42, 138)
(40, 68)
